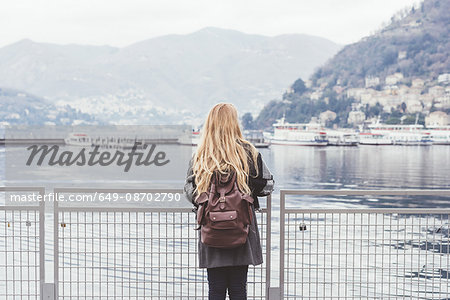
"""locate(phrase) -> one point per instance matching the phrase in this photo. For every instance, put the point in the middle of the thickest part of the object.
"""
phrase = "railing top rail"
(22, 189)
(10, 205)
(131, 209)
(126, 209)
(19, 207)
(116, 190)
(371, 210)
(361, 192)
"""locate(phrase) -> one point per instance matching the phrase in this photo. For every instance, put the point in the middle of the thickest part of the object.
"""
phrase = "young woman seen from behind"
(223, 150)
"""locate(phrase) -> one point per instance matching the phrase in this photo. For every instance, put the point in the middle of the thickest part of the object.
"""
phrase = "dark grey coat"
(250, 253)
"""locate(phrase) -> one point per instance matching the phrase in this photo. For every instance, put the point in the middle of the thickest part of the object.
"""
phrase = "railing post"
(48, 291)
(41, 243)
(274, 293)
(55, 246)
(268, 243)
(282, 223)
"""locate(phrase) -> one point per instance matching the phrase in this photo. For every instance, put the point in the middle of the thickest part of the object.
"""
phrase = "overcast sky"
(123, 22)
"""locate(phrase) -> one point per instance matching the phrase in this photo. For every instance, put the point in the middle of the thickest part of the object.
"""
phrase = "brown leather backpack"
(225, 213)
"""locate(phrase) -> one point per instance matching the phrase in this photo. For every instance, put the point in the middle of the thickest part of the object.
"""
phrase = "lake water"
(362, 167)
(101, 252)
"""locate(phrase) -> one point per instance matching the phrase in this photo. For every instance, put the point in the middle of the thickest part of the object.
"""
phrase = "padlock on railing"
(302, 227)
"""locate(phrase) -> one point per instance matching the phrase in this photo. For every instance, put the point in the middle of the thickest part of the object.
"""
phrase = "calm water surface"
(362, 167)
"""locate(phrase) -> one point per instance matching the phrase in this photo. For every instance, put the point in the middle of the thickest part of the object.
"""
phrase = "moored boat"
(369, 138)
(439, 135)
(109, 142)
(256, 137)
(78, 139)
(298, 134)
(399, 134)
(342, 138)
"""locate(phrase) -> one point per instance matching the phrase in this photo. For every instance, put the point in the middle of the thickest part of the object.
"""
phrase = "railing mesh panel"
(366, 255)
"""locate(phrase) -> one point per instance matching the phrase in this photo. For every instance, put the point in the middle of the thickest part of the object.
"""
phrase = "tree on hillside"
(403, 106)
(247, 121)
(299, 86)
(270, 113)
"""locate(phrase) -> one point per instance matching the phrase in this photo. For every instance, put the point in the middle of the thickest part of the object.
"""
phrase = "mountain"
(167, 74)
(416, 43)
(395, 74)
(18, 107)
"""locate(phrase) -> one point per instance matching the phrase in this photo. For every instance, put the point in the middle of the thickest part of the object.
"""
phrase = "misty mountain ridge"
(21, 108)
(170, 73)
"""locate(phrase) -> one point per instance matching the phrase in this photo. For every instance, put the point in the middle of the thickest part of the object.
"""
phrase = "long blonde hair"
(222, 149)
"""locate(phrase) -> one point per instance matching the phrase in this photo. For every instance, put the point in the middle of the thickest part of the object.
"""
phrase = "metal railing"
(375, 253)
(22, 269)
(137, 252)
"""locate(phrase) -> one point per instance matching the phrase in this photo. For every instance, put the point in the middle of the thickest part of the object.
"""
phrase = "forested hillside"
(393, 74)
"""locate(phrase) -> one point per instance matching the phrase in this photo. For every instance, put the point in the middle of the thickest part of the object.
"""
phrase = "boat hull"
(342, 143)
(298, 143)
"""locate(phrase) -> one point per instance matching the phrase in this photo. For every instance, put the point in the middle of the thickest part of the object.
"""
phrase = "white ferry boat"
(191, 139)
(84, 140)
(403, 134)
(195, 137)
(78, 139)
(255, 137)
(298, 134)
(440, 135)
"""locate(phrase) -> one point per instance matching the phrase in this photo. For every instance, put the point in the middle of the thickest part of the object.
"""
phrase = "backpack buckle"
(222, 199)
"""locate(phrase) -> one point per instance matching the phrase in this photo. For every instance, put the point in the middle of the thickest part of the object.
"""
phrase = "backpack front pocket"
(223, 219)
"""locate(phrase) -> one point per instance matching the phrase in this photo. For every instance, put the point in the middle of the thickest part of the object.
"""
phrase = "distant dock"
(32, 141)
(60, 141)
